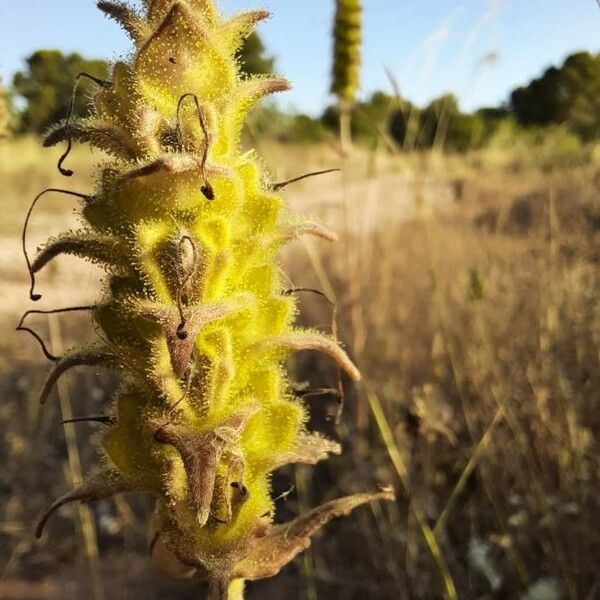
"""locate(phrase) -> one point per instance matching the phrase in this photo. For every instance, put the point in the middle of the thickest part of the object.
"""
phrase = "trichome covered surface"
(195, 317)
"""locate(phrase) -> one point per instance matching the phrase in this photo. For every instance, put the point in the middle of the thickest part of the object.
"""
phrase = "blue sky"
(431, 46)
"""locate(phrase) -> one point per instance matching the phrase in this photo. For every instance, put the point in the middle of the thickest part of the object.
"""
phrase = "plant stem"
(345, 130)
(218, 589)
(236, 589)
(223, 589)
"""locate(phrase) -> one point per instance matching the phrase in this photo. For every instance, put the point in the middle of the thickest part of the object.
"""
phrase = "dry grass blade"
(466, 473)
(401, 468)
(85, 514)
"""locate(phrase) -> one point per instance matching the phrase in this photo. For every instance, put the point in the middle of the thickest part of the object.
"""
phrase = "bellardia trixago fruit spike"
(345, 81)
(194, 318)
(347, 38)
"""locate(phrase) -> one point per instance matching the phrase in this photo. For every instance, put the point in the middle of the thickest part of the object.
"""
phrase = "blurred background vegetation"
(563, 103)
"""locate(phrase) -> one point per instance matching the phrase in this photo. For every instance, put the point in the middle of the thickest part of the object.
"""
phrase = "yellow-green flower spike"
(195, 318)
(347, 36)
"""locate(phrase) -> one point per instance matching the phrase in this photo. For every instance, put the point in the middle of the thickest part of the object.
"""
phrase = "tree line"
(567, 95)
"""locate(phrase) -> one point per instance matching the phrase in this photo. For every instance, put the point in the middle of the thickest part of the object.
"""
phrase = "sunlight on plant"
(195, 316)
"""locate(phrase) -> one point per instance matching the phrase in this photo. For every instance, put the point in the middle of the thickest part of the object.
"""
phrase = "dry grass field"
(466, 288)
